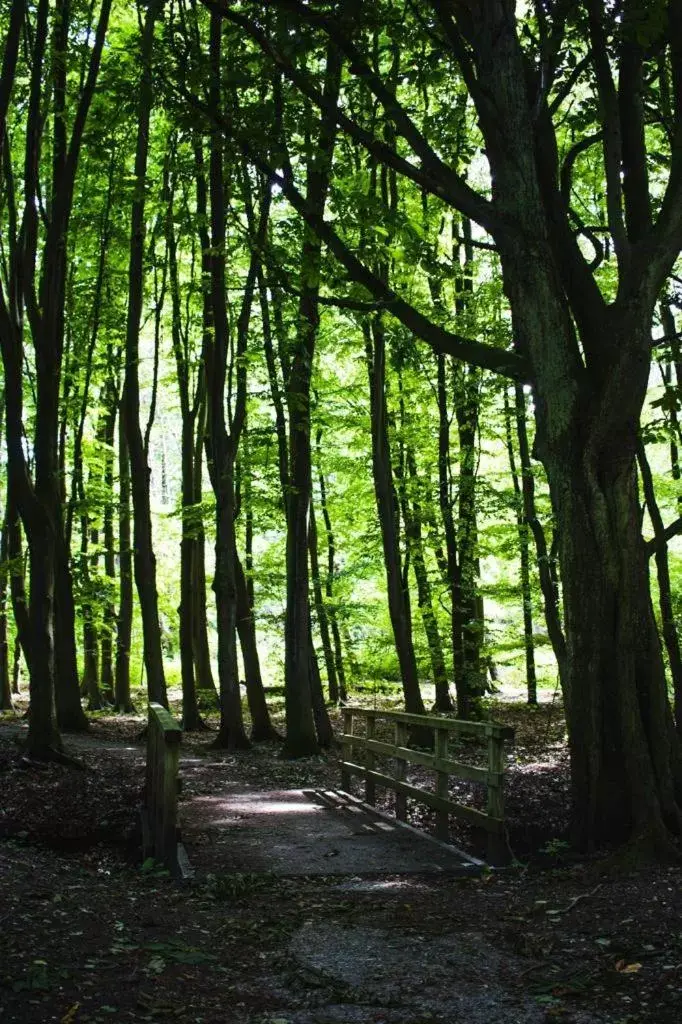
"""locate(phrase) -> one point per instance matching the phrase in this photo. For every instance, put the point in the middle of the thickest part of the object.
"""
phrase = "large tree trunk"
(625, 758)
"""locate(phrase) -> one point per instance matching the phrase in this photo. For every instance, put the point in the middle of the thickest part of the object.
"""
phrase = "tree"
(585, 353)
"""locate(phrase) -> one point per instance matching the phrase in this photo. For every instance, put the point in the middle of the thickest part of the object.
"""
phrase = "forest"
(341, 365)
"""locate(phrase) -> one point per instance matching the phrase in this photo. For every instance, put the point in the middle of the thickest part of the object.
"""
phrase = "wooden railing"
(160, 811)
(491, 820)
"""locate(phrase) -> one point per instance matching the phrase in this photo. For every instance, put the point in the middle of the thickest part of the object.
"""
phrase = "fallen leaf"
(624, 968)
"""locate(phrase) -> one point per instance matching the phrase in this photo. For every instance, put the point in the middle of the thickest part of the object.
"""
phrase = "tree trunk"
(412, 516)
(124, 622)
(191, 718)
(524, 557)
(17, 583)
(546, 559)
(387, 509)
(329, 580)
(109, 611)
(452, 568)
(472, 684)
(323, 726)
(144, 558)
(202, 654)
(668, 623)
(70, 714)
(321, 610)
(298, 683)
(231, 733)
(262, 729)
(5, 686)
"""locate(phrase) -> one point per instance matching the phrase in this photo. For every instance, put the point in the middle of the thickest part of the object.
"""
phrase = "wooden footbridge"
(336, 832)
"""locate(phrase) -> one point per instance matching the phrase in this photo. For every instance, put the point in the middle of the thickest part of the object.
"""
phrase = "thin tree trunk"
(412, 516)
(262, 729)
(329, 579)
(109, 611)
(445, 502)
(321, 609)
(191, 718)
(387, 509)
(524, 556)
(323, 726)
(546, 560)
(124, 622)
(202, 653)
(668, 622)
(5, 686)
(301, 733)
(473, 677)
(144, 558)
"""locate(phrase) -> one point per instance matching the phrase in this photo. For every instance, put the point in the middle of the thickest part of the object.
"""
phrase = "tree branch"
(477, 353)
(466, 199)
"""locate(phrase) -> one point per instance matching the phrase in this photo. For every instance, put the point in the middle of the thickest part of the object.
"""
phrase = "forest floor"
(88, 935)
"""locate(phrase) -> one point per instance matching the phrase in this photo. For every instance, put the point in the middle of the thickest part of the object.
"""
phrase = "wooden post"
(498, 848)
(370, 786)
(347, 749)
(168, 823)
(441, 753)
(401, 735)
(161, 791)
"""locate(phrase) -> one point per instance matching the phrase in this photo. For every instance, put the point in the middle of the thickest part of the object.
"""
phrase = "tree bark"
(412, 516)
(330, 574)
(262, 729)
(668, 623)
(144, 558)
(321, 610)
(524, 558)
(387, 510)
(5, 685)
(301, 738)
(124, 622)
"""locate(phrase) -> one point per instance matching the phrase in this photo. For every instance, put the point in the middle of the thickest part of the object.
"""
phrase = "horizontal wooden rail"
(494, 735)
(160, 811)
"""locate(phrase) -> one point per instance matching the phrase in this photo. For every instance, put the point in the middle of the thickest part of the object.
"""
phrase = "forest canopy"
(341, 349)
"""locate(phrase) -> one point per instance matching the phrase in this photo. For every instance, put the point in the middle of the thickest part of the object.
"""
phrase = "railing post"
(370, 787)
(441, 753)
(161, 787)
(498, 848)
(347, 749)
(168, 828)
(401, 739)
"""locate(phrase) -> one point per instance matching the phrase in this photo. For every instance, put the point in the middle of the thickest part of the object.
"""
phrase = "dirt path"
(85, 936)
